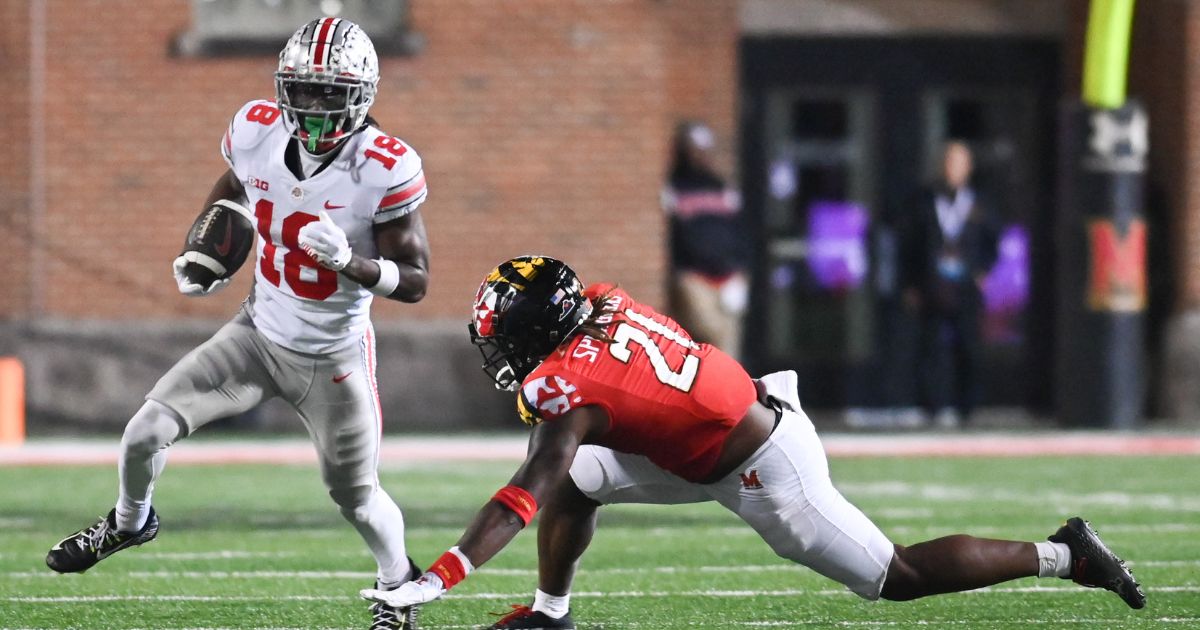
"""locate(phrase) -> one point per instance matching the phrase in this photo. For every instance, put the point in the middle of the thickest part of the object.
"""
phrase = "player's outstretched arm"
(552, 448)
(402, 271)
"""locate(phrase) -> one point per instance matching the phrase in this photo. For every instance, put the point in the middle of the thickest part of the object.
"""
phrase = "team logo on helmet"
(485, 310)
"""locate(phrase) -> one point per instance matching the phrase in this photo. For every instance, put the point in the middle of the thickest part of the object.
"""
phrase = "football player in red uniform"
(627, 408)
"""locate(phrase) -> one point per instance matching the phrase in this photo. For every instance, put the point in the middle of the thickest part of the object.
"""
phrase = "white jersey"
(375, 178)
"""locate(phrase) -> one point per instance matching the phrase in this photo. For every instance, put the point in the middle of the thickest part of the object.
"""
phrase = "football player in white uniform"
(335, 201)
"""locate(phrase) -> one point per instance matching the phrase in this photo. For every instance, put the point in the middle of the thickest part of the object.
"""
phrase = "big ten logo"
(1118, 266)
(255, 182)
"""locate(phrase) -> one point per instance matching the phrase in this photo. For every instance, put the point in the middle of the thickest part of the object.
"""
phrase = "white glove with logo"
(326, 242)
(191, 289)
(421, 591)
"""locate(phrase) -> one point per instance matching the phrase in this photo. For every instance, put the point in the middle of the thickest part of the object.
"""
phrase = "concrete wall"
(93, 375)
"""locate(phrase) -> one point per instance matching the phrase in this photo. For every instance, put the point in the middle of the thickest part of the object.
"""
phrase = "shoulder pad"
(250, 125)
(397, 167)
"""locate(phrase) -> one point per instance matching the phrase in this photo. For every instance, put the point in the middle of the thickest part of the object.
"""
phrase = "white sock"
(1054, 559)
(381, 525)
(554, 606)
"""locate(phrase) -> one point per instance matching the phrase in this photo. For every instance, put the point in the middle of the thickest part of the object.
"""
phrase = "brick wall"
(14, 173)
(543, 124)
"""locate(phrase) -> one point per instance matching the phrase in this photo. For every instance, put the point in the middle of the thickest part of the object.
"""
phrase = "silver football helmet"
(326, 82)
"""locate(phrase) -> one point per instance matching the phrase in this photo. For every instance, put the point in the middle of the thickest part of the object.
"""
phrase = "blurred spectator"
(950, 247)
(709, 287)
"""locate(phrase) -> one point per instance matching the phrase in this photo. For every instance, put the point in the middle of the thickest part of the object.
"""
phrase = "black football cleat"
(525, 618)
(384, 617)
(83, 549)
(1093, 565)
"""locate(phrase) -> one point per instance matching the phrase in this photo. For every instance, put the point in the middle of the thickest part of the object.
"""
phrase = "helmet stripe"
(322, 49)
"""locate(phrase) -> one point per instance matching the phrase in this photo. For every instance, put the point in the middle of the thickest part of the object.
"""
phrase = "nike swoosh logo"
(339, 379)
(329, 206)
(224, 246)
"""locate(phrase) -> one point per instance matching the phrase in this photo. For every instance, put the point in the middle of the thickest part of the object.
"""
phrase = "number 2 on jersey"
(619, 349)
(295, 259)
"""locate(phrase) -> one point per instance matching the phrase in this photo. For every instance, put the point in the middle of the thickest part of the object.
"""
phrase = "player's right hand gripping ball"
(216, 246)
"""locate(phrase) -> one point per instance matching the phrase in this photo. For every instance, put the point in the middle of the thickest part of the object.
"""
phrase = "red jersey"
(667, 397)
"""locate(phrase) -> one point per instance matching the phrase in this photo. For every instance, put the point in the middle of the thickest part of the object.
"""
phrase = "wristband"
(518, 500)
(452, 568)
(389, 278)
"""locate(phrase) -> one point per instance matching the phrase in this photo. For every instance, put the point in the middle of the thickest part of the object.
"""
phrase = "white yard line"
(714, 593)
(367, 575)
(225, 554)
(407, 450)
(978, 493)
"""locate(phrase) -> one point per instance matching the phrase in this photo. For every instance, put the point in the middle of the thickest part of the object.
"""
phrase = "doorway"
(838, 136)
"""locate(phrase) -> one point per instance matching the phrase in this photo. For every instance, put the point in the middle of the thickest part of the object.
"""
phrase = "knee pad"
(153, 428)
(588, 473)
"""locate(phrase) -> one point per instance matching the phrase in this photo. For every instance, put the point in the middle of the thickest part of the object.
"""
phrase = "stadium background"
(544, 126)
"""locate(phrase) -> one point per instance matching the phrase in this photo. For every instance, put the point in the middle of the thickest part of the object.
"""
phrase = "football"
(217, 243)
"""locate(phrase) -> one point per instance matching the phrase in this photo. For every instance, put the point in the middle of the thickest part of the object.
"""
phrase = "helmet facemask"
(524, 310)
(321, 113)
(500, 354)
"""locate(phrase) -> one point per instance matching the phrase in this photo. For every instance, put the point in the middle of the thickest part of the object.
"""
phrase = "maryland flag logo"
(494, 293)
(525, 412)
(546, 397)
(526, 267)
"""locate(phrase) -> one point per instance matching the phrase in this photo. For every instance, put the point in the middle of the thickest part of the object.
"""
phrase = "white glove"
(191, 289)
(421, 591)
(326, 242)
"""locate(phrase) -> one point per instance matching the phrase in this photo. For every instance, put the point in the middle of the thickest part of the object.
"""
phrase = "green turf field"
(262, 547)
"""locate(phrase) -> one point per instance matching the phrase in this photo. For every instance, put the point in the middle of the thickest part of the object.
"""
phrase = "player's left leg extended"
(785, 493)
(960, 563)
